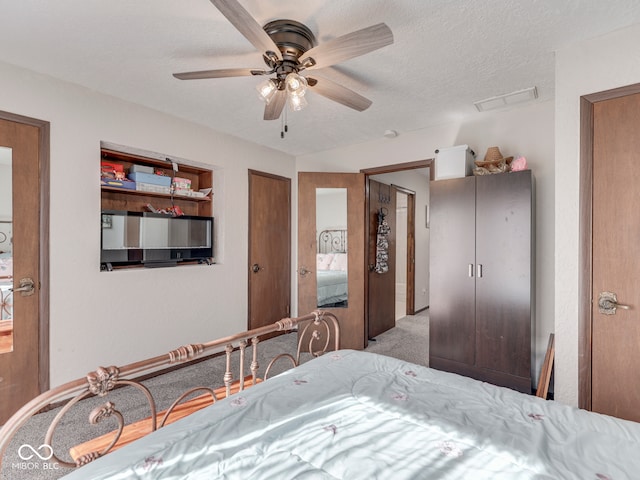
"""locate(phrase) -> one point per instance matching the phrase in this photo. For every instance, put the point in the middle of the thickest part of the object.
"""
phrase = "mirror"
(6, 255)
(331, 247)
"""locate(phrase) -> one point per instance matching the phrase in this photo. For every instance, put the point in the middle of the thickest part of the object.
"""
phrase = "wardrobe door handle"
(479, 270)
(471, 270)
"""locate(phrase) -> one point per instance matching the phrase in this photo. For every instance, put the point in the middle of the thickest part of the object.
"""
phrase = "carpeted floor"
(409, 341)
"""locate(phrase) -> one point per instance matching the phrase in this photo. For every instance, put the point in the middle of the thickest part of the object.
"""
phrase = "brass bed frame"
(318, 332)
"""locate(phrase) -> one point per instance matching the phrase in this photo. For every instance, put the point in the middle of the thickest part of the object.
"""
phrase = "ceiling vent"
(507, 99)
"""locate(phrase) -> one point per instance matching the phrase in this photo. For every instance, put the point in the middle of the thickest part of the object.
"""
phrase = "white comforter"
(355, 415)
(332, 286)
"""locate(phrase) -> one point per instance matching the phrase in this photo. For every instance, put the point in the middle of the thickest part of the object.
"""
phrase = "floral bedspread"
(356, 415)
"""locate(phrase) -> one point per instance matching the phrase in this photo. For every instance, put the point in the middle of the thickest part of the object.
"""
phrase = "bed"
(331, 265)
(356, 415)
(6, 295)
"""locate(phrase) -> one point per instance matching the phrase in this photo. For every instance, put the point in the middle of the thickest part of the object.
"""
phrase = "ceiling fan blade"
(349, 46)
(247, 26)
(221, 73)
(273, 109)
(338, 93)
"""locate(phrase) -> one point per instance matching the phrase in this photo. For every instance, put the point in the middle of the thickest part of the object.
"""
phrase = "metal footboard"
(318, 332)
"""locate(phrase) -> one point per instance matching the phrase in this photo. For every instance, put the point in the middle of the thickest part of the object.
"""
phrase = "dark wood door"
(269, 248)
(503, 274)
(24, 359)
(452, 272)
(615, 355)
(381, 298)
(351, 315)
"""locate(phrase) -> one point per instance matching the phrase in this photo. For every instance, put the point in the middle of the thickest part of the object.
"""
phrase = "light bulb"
(267, 89)
(296, 84)
(296, 102)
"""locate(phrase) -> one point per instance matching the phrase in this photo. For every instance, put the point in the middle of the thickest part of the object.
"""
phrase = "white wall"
(5, 185)
(331, 209)
(591, 66)
(528, 131)
(106, 318)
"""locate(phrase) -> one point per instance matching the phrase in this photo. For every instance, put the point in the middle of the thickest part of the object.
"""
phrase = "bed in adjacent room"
(6, 297)
(331, 265)
(356, 415)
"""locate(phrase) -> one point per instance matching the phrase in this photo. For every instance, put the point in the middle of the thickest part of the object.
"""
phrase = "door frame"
(585, 268)
(43, 279)
(411, 249)
(396, 167)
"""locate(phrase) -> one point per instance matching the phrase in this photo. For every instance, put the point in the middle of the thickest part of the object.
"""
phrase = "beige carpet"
(408, 341)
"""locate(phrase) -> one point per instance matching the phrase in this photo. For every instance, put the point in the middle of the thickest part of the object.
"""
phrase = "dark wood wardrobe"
(481, 278)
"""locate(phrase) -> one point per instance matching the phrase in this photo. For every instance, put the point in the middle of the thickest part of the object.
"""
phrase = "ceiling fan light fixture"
(296, 84)
(267, 89)
(296, 102)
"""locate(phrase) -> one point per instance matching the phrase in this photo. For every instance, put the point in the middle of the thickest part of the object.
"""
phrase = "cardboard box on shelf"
(112, 182)
(112, 167)
(141, 169)
(162, 180)
(152, 187)
(181, 183)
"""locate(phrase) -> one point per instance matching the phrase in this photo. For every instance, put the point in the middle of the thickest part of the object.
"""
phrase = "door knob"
(608, 303)
(26, 288)
(255, 268)
(303, 271)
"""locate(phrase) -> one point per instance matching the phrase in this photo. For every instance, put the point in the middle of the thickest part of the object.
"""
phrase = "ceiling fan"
(289, 47)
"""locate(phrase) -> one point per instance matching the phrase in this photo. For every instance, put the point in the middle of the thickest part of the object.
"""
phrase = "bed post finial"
(102, 380)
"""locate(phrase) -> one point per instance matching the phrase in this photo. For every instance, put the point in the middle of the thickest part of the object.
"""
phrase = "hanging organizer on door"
(382, 242)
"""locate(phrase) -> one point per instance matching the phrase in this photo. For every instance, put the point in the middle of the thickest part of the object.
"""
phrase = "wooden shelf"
(115, 198)
(128, 158)
(154, 194)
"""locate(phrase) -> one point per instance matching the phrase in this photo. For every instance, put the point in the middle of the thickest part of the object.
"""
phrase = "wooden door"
(452, 274)
(269, 248)
(381, 298)
(504, 276)
(615, 354)
(25, 357)
(351, 314)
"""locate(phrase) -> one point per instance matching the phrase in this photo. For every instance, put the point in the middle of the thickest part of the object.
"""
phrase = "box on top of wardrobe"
(453, 162)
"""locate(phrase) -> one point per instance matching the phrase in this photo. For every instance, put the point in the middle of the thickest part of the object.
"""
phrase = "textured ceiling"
(446, 55)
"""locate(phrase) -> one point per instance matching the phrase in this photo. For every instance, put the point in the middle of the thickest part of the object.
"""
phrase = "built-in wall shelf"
(155, 194)
(155, 211)
(117, 198)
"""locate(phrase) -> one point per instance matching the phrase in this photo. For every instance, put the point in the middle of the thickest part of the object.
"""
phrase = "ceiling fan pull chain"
(284, 128)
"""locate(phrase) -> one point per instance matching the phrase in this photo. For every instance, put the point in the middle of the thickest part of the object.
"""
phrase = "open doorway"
(405, 253)
(412, 228)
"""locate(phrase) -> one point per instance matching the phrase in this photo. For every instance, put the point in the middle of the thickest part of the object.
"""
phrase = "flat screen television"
(154, 240)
